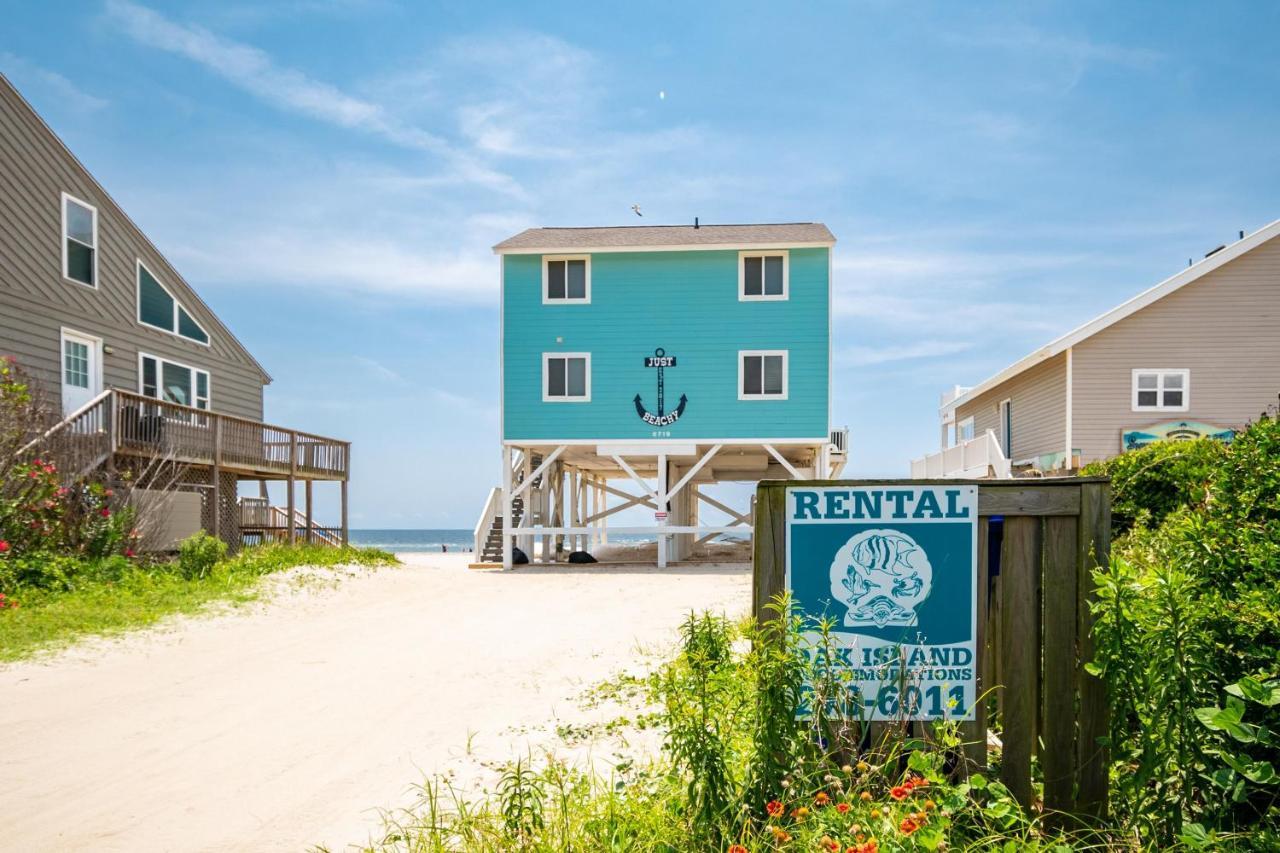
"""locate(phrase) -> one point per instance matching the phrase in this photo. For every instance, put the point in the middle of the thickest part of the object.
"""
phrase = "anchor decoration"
(660, 361)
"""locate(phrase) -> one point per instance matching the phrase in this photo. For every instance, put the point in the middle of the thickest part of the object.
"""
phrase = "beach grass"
(47, 619)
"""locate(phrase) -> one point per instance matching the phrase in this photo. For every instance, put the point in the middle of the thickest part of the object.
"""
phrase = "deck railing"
(123, 422)
(262, 522)
(81, 441)
(145, 426)
(975, 458)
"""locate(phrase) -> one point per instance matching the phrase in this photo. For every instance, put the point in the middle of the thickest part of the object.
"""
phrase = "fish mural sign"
(894, 570)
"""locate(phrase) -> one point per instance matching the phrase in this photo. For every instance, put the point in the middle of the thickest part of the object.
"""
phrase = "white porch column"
(662, 507)
(508, 538)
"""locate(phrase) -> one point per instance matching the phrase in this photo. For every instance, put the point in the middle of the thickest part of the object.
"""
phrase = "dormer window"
(763, 276)
(566, 279)
(158, 308)
(79, 241)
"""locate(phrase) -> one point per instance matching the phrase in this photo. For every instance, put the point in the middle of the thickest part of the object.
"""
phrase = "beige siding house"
(128, 355)
(1198, 353)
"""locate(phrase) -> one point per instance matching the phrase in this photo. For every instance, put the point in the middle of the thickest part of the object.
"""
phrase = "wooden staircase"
(492, 552)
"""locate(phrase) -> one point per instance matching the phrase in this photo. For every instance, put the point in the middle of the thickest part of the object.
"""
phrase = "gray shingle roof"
(641, 236)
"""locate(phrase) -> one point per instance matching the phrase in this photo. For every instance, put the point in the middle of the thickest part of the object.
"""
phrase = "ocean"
(418, 541)
(409, 541)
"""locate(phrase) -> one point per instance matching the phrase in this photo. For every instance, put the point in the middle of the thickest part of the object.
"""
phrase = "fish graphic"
(856, 583)
(882, 553)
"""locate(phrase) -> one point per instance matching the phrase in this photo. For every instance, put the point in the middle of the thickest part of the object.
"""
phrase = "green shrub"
(1154, 481)
(1188, 608)
(199, 553)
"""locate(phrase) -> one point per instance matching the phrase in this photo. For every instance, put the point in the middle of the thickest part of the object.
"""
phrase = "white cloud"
(28, 75)
(290, 89)
(352, 263)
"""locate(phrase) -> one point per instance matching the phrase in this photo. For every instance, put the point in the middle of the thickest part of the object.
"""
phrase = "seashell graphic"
(881, 576)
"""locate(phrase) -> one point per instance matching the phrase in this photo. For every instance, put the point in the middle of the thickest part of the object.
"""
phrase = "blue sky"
(330, 176)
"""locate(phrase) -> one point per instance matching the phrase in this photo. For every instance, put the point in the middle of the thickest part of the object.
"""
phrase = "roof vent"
(1213, 252)
(695, 224)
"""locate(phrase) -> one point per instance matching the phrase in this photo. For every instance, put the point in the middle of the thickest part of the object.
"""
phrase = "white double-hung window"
(566, 377)
(1161, 390)
(566, 279)
(762, 375)
(763, 276)
(79, 241)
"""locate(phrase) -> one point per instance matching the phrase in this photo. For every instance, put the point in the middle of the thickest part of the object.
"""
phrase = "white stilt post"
(662, 507)
(507, 522)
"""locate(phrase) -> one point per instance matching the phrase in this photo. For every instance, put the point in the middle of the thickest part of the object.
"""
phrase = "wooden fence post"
(1019, 572)
(1094, 550)
(974, 732)
(1058, 759)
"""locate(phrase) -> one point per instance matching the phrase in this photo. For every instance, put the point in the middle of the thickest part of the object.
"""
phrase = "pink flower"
(4, 546)
(128, 552)
(105, 513)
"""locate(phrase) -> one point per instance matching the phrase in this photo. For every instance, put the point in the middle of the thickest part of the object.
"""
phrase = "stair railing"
(86, 437)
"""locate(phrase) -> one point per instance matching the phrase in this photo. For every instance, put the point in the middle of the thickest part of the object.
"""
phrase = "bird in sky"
(636, 209)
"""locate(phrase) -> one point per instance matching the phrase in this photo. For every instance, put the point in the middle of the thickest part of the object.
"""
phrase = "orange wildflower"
(865, 796)
(737, 848)
(773, 808)
(821, 798)
(908, 826)
(899, 792)
(843, 808)
(930, 805)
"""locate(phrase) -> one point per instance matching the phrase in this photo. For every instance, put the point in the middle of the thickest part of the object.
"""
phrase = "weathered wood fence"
(1038, 543)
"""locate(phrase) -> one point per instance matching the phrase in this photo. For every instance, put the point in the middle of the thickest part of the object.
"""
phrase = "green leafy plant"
(1153, 482)
(199, 553)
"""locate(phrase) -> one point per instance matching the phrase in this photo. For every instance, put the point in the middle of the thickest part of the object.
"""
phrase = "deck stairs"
(260, 522)
(80, 439)
(491, 552)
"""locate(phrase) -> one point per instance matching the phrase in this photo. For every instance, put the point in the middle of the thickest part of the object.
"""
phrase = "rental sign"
(893, 568)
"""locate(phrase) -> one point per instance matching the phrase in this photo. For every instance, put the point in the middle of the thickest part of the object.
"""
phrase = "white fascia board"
(674, 247)
(1192, 273)
(647, 449)
(659, 445)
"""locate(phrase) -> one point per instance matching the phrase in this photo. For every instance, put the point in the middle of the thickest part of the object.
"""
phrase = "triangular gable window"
(157, 308)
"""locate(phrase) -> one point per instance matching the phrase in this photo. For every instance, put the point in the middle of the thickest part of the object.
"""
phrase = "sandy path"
(290, 724)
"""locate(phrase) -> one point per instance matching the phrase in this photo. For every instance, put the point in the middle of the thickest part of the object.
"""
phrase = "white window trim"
(546, 280)
(1004, 430)
(546, 358)
(137, 299)
(742, 275)
(786, 374)
(969, 421)
(65, 237)
(1161, 372)
(160, 362)
(62, 355)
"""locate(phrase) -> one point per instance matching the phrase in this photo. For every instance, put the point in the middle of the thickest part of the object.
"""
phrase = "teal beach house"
(641, 364)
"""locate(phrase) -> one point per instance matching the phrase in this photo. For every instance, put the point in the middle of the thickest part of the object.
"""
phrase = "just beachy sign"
(894, 571)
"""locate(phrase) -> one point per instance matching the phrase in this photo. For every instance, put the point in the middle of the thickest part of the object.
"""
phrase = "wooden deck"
(121, 422)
